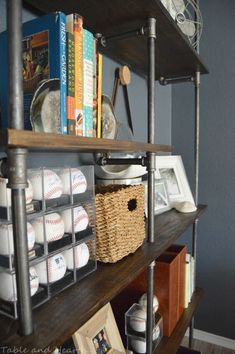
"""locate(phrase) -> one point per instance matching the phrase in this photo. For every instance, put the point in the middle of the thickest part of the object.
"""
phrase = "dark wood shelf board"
(170, 345)
(58, 319)
(175, 56)
(49, 141)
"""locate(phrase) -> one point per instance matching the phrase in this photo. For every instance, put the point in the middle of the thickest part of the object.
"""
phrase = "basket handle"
(132, 204)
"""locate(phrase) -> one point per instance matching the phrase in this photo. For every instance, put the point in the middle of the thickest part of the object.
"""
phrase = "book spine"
(88, 52)
(78, 80)
(70, 75)
(192, 268)
(95, 87)
(182, 279)
(187, 281)
(99, 94)
(63, 73)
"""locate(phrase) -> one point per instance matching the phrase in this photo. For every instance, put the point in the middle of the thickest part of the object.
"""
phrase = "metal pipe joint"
(150, 163)
(151, 28)
(17, 172)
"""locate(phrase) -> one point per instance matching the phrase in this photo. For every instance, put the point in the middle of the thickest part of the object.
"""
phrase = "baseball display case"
(55, 187)
(136, 328)
(8, 291)
(60, 233)
(5, 200)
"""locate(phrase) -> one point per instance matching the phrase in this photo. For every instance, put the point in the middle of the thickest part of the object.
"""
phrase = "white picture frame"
(162, 202)
(171, 169)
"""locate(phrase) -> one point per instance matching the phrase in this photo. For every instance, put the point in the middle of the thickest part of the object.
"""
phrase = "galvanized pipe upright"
(17, 165)
(151, 169)
(14, 30)
(151, 123)
(196, 185)
(196, 177)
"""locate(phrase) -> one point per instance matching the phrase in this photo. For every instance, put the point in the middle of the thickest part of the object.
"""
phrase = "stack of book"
(175, 270)
(62, 76)
(170, 286)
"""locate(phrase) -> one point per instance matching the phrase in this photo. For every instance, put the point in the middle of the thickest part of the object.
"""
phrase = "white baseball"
(73, 181)
(79, 258)
(80, 219)
(138, 320)
(156, 332)
(143, 302)
(48, 180)
(7, 241)
(8, 291)
(56, 269)
(5, 193)
(54, 227)
(138, 345)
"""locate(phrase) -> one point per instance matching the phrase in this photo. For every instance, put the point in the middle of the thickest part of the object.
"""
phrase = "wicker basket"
(120, 226)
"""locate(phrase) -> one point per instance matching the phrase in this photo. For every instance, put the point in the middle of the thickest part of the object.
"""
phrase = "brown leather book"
(181, 251)
(167, 290)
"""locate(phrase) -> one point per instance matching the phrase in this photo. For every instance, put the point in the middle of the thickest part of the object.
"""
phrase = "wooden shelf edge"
(170, 345)
(48, 141)
(67, 311)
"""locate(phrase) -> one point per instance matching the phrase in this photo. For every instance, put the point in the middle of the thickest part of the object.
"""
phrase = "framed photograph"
(99, 335)
(171, 169)
(161, 197)
(162, 203)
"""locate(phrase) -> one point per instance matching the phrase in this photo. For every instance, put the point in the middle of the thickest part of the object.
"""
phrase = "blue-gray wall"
(216, 241)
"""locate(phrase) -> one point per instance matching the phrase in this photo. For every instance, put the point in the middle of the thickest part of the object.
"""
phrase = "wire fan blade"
(187, 15)
(188, 27)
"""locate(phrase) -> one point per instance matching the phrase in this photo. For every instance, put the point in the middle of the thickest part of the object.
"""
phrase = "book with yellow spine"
(99, 94)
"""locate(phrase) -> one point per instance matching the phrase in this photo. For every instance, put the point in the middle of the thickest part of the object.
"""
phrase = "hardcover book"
(166, 289)
(180, 251)
(95, 87)
(99, 94)
(187, 280)
(78, 79)
(44, 58)
(88, 57)
(70, 74)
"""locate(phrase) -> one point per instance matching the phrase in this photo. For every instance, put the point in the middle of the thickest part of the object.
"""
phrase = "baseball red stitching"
(49, 221)
(56, 237)
(52, 192)
(79, 219)
(78, 184)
